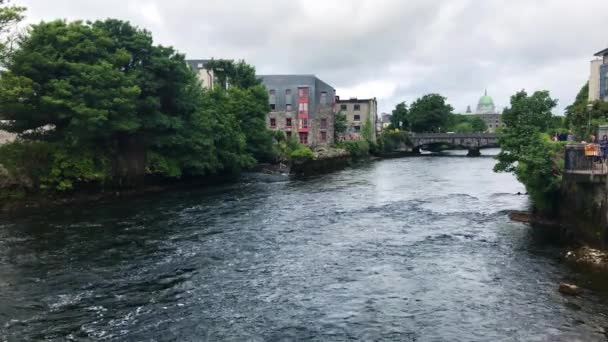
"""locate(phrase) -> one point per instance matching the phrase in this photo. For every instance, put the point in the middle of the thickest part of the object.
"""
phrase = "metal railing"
(576, 161)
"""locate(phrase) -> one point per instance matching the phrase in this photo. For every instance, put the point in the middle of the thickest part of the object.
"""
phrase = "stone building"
(301, 106)
(598, 78)
(358, 112)
(486, 110)
(204, 75)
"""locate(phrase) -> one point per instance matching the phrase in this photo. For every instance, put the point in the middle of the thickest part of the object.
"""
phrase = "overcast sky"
(394, 50)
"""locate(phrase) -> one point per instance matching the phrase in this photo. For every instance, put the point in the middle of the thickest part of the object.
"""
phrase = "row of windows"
(302, 107)
(345, 107)
(303, 123)
(302, 92)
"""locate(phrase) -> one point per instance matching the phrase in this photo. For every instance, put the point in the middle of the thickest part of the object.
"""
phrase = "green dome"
(486, 100)
(486, 105)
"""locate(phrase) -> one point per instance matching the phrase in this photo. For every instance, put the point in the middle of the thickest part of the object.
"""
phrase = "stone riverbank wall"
(583, 206)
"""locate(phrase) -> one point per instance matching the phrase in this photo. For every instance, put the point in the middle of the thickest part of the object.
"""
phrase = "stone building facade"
(358, 111)
(598, 78)
(302, 106)
(205, 76)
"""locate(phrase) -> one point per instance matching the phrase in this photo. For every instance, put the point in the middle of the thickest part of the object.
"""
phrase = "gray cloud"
(394, 50)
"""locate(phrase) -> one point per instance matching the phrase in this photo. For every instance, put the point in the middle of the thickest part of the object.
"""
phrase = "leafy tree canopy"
(399, 117)
(526, 149)
(429, 113)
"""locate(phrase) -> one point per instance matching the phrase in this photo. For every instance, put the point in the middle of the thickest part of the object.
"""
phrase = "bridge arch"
(470, 141)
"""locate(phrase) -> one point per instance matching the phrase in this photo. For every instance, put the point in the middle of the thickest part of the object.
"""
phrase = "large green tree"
(429, 113)
(583, 117)
(249, 101)
(399, 117)
(101, 85)
(526, 148)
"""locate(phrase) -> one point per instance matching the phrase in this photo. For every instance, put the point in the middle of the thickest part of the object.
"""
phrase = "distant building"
(486, 110)
(301, 106)
(598, 78)
(386, 120)
(358, 112)
(205, 76)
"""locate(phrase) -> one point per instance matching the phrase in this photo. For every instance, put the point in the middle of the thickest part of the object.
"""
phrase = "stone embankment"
(325, 160)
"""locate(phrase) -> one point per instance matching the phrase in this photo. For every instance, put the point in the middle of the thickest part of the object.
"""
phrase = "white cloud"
(391, 49)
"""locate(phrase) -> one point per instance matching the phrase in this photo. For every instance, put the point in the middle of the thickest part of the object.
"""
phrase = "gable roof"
(194, 63)
(602, 53)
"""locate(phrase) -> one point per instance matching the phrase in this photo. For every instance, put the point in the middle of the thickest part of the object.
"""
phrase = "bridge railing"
(454, 135)
(576, 161)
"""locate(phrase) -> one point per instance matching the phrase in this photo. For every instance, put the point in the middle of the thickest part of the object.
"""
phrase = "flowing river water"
(413, 249)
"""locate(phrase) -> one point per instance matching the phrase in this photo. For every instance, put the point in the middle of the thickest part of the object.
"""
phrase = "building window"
(303, 138)
(272, 92)
(343, 107)
(357, 128)
(323, 136)
(288, 133)
(288, 122)
(303, 123)
(323, 123)
(273, 106)
(273, 122)
(357, 107)
(323, 97)
(287, 91)
(303, 92)
(357, 117)
(200, 65)
(288, 108)
(303, 107)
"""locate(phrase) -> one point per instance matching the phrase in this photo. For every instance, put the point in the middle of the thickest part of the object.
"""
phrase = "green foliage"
(110, 106)
(48, 166)
(339, 125)
(460, 123)
(230, 74)
(367, 131)
(302, 154)
(356, 149)
(399, 117)
(429, 113)
(583, 118)
(527, 150)
(478, 125)
(285, 146)
(391, 140)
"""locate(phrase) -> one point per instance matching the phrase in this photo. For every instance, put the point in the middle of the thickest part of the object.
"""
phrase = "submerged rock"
(589, 258)
(569, 289)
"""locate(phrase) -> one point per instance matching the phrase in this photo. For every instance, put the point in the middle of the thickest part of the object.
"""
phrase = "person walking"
(604, 147)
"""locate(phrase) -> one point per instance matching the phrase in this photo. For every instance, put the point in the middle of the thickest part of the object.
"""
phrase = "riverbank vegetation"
(98, 105)
(528, 151)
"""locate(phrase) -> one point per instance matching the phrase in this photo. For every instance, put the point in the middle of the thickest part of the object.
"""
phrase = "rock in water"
(569, 289)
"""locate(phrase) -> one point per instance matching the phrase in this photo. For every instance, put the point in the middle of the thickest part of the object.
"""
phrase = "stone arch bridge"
(470, 141)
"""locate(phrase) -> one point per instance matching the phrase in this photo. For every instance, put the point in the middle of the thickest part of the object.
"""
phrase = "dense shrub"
(357, 149)
(392, 140)
(302, 154)
(35, 165)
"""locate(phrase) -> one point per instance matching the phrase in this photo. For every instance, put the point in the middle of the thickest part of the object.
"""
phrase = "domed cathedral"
(486, 105)
(486, 110)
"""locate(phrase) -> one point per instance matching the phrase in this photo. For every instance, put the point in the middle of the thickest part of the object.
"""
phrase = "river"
(412, 249)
